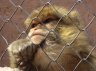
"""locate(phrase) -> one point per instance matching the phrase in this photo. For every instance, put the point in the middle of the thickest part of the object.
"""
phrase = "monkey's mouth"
(38, 36)
(39, 33)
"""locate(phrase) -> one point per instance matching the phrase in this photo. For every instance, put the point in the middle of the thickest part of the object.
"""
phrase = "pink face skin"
(38, 32)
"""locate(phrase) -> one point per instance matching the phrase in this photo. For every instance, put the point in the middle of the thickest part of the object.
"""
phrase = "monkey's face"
(47, 21)
(39, 31)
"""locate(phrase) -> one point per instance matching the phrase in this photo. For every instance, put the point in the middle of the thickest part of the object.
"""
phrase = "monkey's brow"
(50, 19)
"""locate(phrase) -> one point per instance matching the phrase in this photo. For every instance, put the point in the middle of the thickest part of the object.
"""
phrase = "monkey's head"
(55, 23)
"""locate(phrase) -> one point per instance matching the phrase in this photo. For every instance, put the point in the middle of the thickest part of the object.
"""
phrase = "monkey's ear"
(74, 15)
(75, 18)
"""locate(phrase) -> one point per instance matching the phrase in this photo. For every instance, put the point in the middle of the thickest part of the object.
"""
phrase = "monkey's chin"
(37, 39)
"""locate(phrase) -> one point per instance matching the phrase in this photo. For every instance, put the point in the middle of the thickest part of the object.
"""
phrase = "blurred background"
(14, 12)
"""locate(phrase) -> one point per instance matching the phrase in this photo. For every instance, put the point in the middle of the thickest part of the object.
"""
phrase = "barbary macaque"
(52, 44)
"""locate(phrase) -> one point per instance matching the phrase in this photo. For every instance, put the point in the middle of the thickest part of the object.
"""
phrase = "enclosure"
(14, 12)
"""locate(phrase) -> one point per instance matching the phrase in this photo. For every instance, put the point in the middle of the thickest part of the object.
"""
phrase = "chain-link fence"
(14, 12)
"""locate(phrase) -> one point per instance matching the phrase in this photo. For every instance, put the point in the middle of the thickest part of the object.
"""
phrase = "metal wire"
(48, 3)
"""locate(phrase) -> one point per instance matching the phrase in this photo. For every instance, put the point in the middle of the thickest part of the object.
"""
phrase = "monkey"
(53, 43)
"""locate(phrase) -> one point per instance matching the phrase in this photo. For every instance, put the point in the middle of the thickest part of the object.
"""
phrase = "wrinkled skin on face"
(40, 31)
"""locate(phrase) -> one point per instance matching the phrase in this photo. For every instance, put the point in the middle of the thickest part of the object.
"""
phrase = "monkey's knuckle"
(18, 59)
(11, 47)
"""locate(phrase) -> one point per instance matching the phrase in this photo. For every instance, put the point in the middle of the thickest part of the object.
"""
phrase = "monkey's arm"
(20, 52)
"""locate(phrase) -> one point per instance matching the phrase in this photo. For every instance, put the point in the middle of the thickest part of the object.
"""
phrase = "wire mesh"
(11, 31)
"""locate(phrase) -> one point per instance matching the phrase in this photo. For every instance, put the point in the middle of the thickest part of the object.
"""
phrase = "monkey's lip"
(39, 32)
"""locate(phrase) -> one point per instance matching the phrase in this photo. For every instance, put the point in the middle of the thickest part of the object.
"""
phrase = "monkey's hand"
(21, 53)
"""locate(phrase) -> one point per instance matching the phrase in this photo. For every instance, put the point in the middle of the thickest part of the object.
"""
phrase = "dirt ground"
(14, 12)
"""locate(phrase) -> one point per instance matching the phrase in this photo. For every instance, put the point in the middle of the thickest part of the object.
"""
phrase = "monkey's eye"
(48, 20)
(33, 25)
